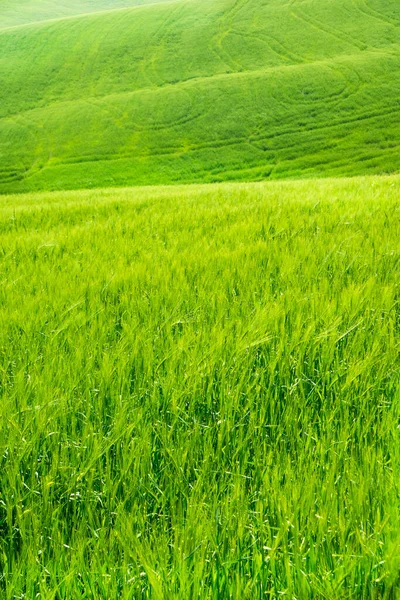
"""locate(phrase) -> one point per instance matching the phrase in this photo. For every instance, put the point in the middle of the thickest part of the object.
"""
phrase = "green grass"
(200, 392)
(191, 91)
(23, 12)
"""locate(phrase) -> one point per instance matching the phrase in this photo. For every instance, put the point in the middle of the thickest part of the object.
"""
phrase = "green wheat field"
(200, 368)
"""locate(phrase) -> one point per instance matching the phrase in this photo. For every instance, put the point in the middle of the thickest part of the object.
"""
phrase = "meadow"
(187, 91)
(199, 392)
(24, 12)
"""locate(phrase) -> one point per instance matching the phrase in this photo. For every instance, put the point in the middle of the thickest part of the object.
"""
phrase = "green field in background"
(188, 91)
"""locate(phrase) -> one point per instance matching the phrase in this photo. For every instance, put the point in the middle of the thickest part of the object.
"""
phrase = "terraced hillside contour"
(103, 93)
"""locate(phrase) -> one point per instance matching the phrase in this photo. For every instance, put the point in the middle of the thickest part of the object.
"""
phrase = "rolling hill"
(101, 93)
(23, 12)
(199, 384)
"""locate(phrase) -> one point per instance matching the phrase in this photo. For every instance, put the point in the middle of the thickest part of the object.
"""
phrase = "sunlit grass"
(199, 392)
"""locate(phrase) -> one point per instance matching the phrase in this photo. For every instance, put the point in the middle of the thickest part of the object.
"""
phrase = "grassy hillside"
(23, 12)
(192, 91)
(199, 392)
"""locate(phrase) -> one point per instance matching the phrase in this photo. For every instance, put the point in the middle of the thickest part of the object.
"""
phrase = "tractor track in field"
(91, 57)
(239, 141)
(40, 161)
(131, 118)
(194, 81)
(226, 24)
(364, 7)
(326, 29)
(255, 138)
(339, 123)
(150, 58)
(286, 56)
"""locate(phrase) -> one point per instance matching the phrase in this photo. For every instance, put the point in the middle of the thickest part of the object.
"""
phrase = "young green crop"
(200, 392)
(197, 91)
(15, 13)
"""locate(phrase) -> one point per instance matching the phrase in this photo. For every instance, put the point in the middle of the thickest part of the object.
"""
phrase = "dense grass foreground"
(198, 392)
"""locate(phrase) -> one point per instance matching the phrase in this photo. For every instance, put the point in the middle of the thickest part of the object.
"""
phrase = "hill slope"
(187, 91)
(23, 12)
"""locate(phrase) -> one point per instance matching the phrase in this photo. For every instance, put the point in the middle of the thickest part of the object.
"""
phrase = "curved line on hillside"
(331, 125)
(111, 109)
(193, 81)
(226, 142)
(325, 28)
(39, 160)
(225, 26)
(364, 7)
(288, 56)
(157, 40)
